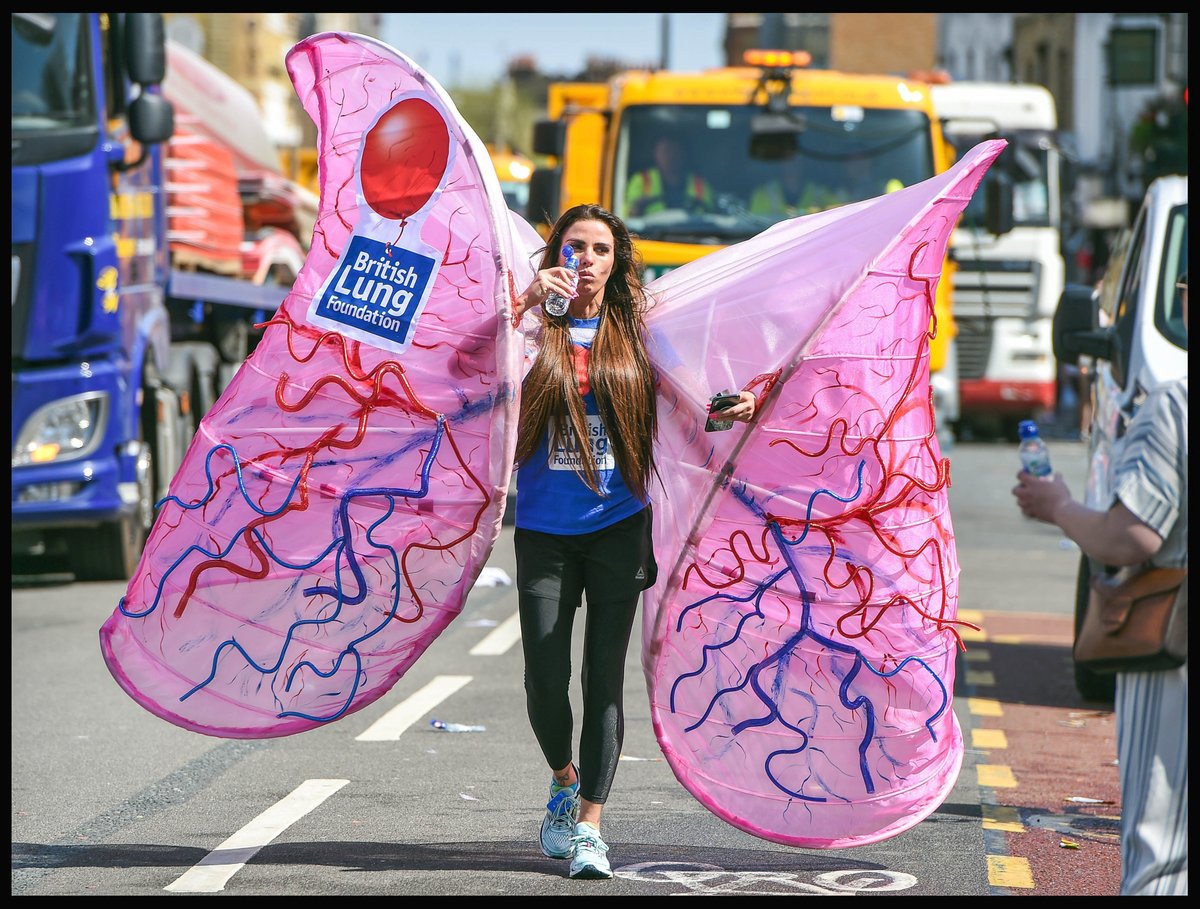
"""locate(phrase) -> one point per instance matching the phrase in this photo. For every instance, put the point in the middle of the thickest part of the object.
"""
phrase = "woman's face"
(597, 253)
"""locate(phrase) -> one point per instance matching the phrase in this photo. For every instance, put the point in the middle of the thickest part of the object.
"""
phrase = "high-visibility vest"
(768, 200)
(648, 185)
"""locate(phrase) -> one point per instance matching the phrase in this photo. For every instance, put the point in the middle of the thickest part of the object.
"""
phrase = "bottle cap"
(1028, 429)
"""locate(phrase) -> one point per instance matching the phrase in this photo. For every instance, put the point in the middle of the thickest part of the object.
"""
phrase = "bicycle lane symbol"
(712, 880)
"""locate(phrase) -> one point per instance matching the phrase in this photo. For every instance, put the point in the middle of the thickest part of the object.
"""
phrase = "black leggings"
(611, 566)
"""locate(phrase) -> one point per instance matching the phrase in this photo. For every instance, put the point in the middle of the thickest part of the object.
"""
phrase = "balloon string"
(387, 247)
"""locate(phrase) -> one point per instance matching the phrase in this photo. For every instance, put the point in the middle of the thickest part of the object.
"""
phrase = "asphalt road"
(108, 799)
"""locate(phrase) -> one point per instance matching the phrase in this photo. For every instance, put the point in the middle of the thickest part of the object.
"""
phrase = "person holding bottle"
(585, 459)
(1147, 521)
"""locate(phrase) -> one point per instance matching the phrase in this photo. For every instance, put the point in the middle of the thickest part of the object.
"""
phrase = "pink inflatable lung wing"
(799, 645)
(339, 501)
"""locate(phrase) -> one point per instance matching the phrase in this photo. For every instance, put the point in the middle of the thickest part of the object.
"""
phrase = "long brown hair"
(619, 369)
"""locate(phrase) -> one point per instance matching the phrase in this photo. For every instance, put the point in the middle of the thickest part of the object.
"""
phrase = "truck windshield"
(1026, 163)
(685, 173)
(52, 87)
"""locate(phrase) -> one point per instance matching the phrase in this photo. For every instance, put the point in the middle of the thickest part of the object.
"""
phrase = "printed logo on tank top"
(570, 455)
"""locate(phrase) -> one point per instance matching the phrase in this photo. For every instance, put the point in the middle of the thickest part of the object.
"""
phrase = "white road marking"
(213, 872)
(501, 638)
(389, 727)
(711, 880)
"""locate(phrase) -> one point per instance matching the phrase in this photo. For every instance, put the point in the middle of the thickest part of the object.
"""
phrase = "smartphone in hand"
(717, 403)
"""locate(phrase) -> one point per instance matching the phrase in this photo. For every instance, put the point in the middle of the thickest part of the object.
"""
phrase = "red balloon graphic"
(404, 158)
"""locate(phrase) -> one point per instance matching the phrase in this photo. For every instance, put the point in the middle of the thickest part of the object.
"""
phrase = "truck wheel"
(111, 553)
(194, 370)
(231, 337)
(1092, 686)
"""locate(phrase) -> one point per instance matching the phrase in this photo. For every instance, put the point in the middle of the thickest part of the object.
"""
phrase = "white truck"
(1133, 328)
(1006, 287)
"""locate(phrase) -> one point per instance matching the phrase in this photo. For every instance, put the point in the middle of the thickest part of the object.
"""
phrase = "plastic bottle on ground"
(441, 726)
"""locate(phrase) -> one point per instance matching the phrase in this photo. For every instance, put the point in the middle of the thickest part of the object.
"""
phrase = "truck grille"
(996, 287)
(974, 345)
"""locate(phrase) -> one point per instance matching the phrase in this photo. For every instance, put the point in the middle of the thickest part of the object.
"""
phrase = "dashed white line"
(502, 637)
(213, 872)
(390, 726)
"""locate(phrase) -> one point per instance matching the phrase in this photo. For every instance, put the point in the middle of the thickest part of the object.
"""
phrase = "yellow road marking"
(970, 634)
(974, 616)
(995, 776)
(993, 739)
(977, 656)
(1009, 871)
(980, 677)
(985, 707)
(1002, 817)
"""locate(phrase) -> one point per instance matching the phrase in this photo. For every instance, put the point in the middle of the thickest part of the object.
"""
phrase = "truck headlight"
(63, 430)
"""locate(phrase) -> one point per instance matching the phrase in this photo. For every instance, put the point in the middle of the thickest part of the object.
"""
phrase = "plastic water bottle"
(556, 304)
(441, 726)
(1035, 456)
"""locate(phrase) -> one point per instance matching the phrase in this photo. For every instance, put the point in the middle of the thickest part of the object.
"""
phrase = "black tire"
(1092, 686)
(231, 338)
(203, 366)
(111, 552)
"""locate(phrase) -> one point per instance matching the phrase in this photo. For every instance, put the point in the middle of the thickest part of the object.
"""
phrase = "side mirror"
(545, 195)
(1101, 344)
(1076, 331)
(145, 47)
(550, 137)
(1077, 312)
(998, 196)
(151, 119)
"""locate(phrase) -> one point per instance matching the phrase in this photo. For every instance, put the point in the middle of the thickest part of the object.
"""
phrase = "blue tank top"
(551, 496)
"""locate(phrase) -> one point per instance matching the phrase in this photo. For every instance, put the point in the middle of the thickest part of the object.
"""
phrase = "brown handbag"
(1136, 621)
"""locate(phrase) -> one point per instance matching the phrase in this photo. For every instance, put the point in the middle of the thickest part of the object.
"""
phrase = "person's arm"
(546, 282)
(750, 404)
(1114, 537)
(742, 411)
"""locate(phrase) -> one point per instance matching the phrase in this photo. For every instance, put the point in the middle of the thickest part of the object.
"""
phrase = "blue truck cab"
(104, 403)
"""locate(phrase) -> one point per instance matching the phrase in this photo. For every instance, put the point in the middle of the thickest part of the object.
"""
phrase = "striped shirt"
(1150, 476)
(1150, 479)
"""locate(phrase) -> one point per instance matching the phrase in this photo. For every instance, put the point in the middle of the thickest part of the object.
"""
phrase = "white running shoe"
(589, 859)
(558, 826)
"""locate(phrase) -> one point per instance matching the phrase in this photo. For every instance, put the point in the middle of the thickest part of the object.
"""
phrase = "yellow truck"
(514, 171)
(754, 144)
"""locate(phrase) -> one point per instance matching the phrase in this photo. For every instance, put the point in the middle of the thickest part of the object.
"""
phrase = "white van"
(1133, 329)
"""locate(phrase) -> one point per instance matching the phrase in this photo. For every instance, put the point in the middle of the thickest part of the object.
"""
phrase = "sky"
(474, 49)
